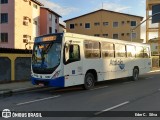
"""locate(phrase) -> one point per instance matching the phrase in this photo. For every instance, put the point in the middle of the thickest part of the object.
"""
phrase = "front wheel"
(135, 74)
(89, 81)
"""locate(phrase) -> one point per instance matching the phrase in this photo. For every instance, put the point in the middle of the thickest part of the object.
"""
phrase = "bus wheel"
(135, 74)
(89, 81)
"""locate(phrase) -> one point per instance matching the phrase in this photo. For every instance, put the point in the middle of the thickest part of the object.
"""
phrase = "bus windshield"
(46, 57)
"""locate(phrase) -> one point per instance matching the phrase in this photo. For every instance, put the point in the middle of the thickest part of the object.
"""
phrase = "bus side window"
(120, 50)
(139, 52)
(131, 51)
(146, 52)
(72, 53)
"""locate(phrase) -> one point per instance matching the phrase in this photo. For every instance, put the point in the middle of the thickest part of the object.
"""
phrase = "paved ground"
(116, 95)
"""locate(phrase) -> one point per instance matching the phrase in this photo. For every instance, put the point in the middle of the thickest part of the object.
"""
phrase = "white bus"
(67, 59)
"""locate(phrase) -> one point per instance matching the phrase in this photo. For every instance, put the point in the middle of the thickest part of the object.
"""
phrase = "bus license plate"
(41, 84)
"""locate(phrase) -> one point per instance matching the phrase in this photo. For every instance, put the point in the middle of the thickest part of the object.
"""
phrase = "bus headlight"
(56, 74)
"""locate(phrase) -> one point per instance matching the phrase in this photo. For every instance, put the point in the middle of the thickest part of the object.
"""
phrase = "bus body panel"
(106, 68)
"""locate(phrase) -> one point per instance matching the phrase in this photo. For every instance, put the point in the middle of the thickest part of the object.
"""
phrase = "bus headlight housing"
(56, 74)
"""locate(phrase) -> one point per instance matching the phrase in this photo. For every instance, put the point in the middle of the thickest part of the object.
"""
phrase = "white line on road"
(149, 78)
(111, 108)
(99, 88)
(37, 100)
(128, 82)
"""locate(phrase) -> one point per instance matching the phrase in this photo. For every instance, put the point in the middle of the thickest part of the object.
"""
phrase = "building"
(154, 46)
(19, 23)
(155, 52)
(149, 26)
(62, 28)
(105, 23)
(49, 21)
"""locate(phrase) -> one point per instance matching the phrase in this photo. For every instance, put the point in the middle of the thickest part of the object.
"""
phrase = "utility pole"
(132, 30)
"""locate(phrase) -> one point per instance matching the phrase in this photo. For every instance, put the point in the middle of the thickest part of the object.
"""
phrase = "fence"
(14, 65)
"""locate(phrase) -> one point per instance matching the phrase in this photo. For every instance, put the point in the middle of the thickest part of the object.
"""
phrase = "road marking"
(127, 82)
(37, 100)
(149, 78)
(99, 88)
(111, 108)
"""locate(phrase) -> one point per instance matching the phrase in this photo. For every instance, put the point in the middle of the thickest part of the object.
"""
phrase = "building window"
(56, 20)
(156, 47)
(97, 35)
(115, 36)
(133, 23)
(115, 24)
(80, 24)
(56, 31)
(3, 1)
(105, 23)
(30, 3)
(71, 26)
(134, 35)
(50, 16)
(123, 22)
(4, 37)
(96, 23)
(122, 34)
(35, 22)
(4, 17)
(87, 25)
(105, 35)
(50, 30)
(35, 6)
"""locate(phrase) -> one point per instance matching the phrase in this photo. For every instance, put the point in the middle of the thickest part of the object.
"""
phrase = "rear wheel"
(89, 81)
(135, 74)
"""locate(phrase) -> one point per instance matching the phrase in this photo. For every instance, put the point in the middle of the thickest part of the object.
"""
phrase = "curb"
(154, 71)
(6, 93)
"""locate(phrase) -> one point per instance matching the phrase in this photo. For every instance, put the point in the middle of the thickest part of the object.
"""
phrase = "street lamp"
(132, 30)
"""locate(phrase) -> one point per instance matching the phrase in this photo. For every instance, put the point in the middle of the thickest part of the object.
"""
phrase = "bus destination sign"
(49, 38)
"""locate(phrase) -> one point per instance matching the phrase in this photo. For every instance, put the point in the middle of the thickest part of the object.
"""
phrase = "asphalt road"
(116, 95)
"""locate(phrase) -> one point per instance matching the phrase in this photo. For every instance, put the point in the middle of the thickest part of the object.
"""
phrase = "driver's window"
(72, 53)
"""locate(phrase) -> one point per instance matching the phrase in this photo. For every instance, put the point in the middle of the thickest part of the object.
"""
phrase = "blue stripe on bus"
(58, 82)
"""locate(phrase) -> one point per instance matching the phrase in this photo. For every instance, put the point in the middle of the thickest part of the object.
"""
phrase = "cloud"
(116, 7)
(62, 10)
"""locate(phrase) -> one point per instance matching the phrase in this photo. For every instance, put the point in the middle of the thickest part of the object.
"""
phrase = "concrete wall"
(14, 67)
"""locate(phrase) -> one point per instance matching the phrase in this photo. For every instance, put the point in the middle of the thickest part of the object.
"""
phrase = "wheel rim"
(136, 74)
(89, 81)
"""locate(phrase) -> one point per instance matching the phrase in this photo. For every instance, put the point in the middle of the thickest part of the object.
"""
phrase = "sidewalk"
(15, 87)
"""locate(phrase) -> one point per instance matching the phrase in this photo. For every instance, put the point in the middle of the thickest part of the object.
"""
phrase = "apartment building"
(105, 23)
(19, 23)
(62, 28)
(49, 21)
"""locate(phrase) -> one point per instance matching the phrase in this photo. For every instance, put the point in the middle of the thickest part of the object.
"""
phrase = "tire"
(135, 74)
(89, 81)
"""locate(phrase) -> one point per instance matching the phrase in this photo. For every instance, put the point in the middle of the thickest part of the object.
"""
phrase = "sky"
(73, 8)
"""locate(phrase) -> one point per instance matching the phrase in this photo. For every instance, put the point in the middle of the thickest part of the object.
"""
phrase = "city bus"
(68, 59)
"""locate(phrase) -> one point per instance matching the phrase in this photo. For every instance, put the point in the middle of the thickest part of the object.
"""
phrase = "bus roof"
(93, 38)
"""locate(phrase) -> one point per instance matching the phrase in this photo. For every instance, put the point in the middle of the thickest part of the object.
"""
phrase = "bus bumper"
(58, 82)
